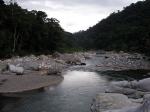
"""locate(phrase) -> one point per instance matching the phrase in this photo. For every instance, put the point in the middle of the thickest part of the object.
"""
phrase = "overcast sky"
(75, 15)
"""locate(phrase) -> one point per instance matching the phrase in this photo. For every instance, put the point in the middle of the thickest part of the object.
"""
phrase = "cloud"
(75, 15)
(84, 2)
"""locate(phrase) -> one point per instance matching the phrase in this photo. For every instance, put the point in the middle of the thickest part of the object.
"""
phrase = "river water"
(74, 94)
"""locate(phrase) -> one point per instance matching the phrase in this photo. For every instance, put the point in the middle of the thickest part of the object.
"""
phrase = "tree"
(127, 30)
(25, 32)
(1, 2)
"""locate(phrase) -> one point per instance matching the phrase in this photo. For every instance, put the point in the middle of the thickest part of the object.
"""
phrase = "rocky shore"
(124, 96)
(20, 74)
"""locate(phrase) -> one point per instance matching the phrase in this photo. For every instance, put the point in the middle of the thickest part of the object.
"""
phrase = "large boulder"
(31, 65)
(105, 102)
(133, 93)
(3, 67)
(142, 85)
(15, 69)
(55, 69)
(144, 107)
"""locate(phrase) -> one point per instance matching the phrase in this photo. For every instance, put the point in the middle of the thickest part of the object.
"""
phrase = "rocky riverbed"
(128, 95)
(42, 68)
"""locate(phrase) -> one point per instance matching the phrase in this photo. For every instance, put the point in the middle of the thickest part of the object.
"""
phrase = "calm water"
(74, 94)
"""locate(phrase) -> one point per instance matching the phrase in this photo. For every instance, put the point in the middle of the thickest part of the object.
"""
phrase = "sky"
(76, 15)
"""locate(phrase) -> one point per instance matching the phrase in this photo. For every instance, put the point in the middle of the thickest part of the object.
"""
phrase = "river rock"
(72, 59)
(56, 54)
(60, 61)
(31, 65)
(133, 93)
(3, 67)
(105, 102)
(142, 85)
(55, 70)
(15, 69)
(144, 107)
(43, 57)
(126, 84)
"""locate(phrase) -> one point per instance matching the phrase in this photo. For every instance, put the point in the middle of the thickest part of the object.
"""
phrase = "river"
(74, 94)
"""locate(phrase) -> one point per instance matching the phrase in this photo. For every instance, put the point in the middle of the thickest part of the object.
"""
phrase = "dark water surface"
(74, 94)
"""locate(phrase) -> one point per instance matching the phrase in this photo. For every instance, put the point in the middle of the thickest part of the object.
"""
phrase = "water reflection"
(80, 78)
(74, 94)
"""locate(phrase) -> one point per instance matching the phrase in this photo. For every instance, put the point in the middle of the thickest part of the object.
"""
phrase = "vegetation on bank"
(127, 30)
(23, 32)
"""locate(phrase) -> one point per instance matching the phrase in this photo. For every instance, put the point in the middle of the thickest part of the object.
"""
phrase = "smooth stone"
(110, 101)
(15, 69)
(144, 107)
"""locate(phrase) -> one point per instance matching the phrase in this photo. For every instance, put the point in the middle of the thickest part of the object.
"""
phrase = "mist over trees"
(127, 30)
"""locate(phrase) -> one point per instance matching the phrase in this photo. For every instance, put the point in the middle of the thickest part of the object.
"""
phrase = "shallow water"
(76, 91)
(74, 94)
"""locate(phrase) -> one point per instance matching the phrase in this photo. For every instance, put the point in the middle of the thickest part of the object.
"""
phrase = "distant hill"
(127, 30)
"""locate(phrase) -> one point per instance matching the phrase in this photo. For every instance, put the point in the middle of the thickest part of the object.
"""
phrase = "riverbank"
(43, 66)
(21, 74)
(46, 70)
(129, 95)
(85, 75)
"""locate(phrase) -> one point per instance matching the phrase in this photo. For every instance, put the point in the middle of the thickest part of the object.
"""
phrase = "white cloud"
(75, 15)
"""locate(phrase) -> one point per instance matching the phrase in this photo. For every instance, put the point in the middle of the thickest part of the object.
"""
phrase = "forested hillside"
(23, 32)
(127, 30)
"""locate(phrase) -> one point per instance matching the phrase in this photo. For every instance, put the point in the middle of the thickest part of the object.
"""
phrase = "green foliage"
(127, 30)
(24, 32)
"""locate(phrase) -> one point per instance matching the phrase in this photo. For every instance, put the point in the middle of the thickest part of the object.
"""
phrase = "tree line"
(127, 30)
(25, 32)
